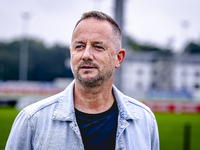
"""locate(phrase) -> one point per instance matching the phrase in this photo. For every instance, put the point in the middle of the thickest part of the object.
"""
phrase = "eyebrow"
(78, 42)
(97, 42)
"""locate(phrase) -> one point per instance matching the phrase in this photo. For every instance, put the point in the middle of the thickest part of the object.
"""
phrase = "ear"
(120, 57)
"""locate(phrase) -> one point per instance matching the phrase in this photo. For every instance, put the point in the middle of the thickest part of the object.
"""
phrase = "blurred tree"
(9, 60)
(192, 48)
(136, 46)
(44, 63)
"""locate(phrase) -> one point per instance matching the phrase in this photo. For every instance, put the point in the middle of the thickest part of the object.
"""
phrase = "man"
(91, 113)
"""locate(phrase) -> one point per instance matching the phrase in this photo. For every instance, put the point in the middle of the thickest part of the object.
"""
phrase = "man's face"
(93, 58)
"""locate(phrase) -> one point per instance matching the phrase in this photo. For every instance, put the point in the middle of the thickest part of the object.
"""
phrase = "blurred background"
(161, 68)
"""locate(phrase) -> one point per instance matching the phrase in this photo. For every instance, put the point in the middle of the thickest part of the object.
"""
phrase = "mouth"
(87, 67)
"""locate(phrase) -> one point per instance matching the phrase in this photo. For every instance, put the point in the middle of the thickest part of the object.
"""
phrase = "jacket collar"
(126, 108)
(65, 107)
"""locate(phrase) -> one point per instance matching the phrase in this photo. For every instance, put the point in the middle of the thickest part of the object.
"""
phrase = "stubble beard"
(94, 81)
(90, 82)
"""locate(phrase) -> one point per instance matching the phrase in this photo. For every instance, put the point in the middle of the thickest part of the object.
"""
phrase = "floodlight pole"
(119, 5)
(23, 58)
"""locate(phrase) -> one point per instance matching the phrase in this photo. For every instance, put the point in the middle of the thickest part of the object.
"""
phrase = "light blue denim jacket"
(50, 124)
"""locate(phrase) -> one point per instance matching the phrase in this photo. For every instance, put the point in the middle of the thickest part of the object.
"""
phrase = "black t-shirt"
(98, 131)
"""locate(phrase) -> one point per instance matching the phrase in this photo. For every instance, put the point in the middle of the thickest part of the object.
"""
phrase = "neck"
(93, 100)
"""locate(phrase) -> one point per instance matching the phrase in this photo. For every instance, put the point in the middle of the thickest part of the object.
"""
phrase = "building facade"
(155, 76)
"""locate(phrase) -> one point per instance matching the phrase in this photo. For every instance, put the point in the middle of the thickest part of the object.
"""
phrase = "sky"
(160, 22)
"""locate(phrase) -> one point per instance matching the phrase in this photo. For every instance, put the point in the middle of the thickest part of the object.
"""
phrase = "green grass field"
(7, 116)
(171, 129)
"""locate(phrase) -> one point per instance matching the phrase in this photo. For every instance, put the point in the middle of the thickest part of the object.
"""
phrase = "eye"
(98, 47)
(79, 47)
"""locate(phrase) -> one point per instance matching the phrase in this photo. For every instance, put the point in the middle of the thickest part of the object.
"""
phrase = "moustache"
(83, 63)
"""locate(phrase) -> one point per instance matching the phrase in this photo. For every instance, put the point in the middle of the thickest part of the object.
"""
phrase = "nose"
(87, 54)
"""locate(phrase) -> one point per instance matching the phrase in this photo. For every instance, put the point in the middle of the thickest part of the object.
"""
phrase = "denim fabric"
(50, 124)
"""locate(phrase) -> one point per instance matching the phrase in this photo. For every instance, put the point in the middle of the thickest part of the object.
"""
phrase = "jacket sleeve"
(154, 136)
(20, 135)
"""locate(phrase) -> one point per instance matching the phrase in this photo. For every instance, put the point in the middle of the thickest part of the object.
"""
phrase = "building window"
(154, 72)
(184, 73)
(184, 87)
(139, 72)
(197, 74)
(196, 86)
(153, 85)
(139, 85)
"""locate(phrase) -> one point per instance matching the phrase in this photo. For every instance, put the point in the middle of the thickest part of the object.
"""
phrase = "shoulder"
(139, 105)
(46, 103)
(131, 106)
